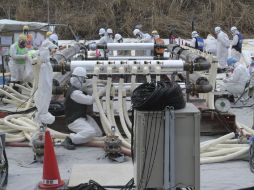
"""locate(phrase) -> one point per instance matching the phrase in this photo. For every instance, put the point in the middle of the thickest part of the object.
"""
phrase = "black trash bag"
(156, 96)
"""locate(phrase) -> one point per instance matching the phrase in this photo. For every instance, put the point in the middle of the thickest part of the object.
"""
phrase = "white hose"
(10, 96)
(102, 114)
(133, 77)
(108, 93)
(125, 110)
(216, 141)
(9, 118)
(112, 93)
(120, 105)
(15, 92)
(220, 152)
(231, 156)
(146, 72)
(158, 71)
(23, 88)
(231, 145)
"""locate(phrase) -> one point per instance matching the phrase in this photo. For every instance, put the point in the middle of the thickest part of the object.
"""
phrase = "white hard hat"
(102, 31)
(118, 37)
(233, 29)
(217, 29)
(53, 38)
(79, 71)
(136, 31)
(109, 31)
(194, 34)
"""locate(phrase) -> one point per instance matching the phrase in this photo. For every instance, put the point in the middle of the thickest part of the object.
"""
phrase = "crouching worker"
(83, 126)
(235, 84)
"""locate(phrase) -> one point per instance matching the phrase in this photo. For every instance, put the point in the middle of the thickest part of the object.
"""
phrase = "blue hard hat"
(231, 61)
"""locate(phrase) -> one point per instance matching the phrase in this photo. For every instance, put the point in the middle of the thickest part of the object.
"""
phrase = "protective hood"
(76, 82)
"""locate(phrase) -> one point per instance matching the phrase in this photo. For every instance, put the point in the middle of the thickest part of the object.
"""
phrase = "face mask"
(22, 44)
(138, 36)
(26, 32)
(120, 41)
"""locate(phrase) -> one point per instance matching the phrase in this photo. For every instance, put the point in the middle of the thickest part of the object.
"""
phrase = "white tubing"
(10, 96)
(216, 141)
(133, 77)
(223, 151)
(146, 72)
(125, 111)
(231, 145)
(102, 114)
(23, 88)
(15, 92)
(112, 93)
(7, 122)
(108, 92)
(120, 105)
(9, 101)
(231, 156)
(158, 71)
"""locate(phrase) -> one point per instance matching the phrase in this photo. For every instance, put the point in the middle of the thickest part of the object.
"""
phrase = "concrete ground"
(220, 176)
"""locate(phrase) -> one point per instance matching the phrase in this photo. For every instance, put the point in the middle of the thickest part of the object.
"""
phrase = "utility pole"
(48, 10)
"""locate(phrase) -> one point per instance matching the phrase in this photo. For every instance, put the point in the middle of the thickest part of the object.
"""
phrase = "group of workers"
(240, 75)
(77, 101)
(20, 53)
(106, 36)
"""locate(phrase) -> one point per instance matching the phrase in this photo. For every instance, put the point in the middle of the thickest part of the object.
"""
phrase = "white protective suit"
(223, 45)
(44, 91)
(85, 129)
(210, 44)
(234, 53)
(17, 70)
(144, 38)
(235, 84)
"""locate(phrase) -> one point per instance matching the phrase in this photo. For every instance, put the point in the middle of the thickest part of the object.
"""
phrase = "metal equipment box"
(167, 161)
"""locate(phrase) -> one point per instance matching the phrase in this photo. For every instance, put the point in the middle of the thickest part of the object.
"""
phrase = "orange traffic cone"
(51, 178)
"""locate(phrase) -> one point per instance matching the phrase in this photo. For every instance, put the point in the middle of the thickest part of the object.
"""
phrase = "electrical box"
(167, 153)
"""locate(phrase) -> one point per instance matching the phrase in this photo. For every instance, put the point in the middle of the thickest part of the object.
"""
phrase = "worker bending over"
(235, 83)
(82, 125)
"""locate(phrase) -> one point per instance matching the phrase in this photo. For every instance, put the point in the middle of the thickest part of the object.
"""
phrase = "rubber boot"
(67, 143)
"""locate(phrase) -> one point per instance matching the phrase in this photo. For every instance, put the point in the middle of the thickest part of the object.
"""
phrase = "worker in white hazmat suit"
(44, 91)
(118, 38)
(236, 43)
(251, 70)
(235, 84)
(144, 38)
(210, 44)
(197, 42)
(18, 60)
(109, 35)
(223, 45)
(77, 119)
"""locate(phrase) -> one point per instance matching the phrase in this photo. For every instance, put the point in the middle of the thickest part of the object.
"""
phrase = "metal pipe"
(63, 56)
(130, 46)
(167, 66)
(199, 62)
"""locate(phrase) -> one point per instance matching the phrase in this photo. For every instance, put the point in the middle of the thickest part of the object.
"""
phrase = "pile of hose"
(155, 96)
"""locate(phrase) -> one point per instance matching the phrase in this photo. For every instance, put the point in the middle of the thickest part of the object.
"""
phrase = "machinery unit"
(167, 148)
